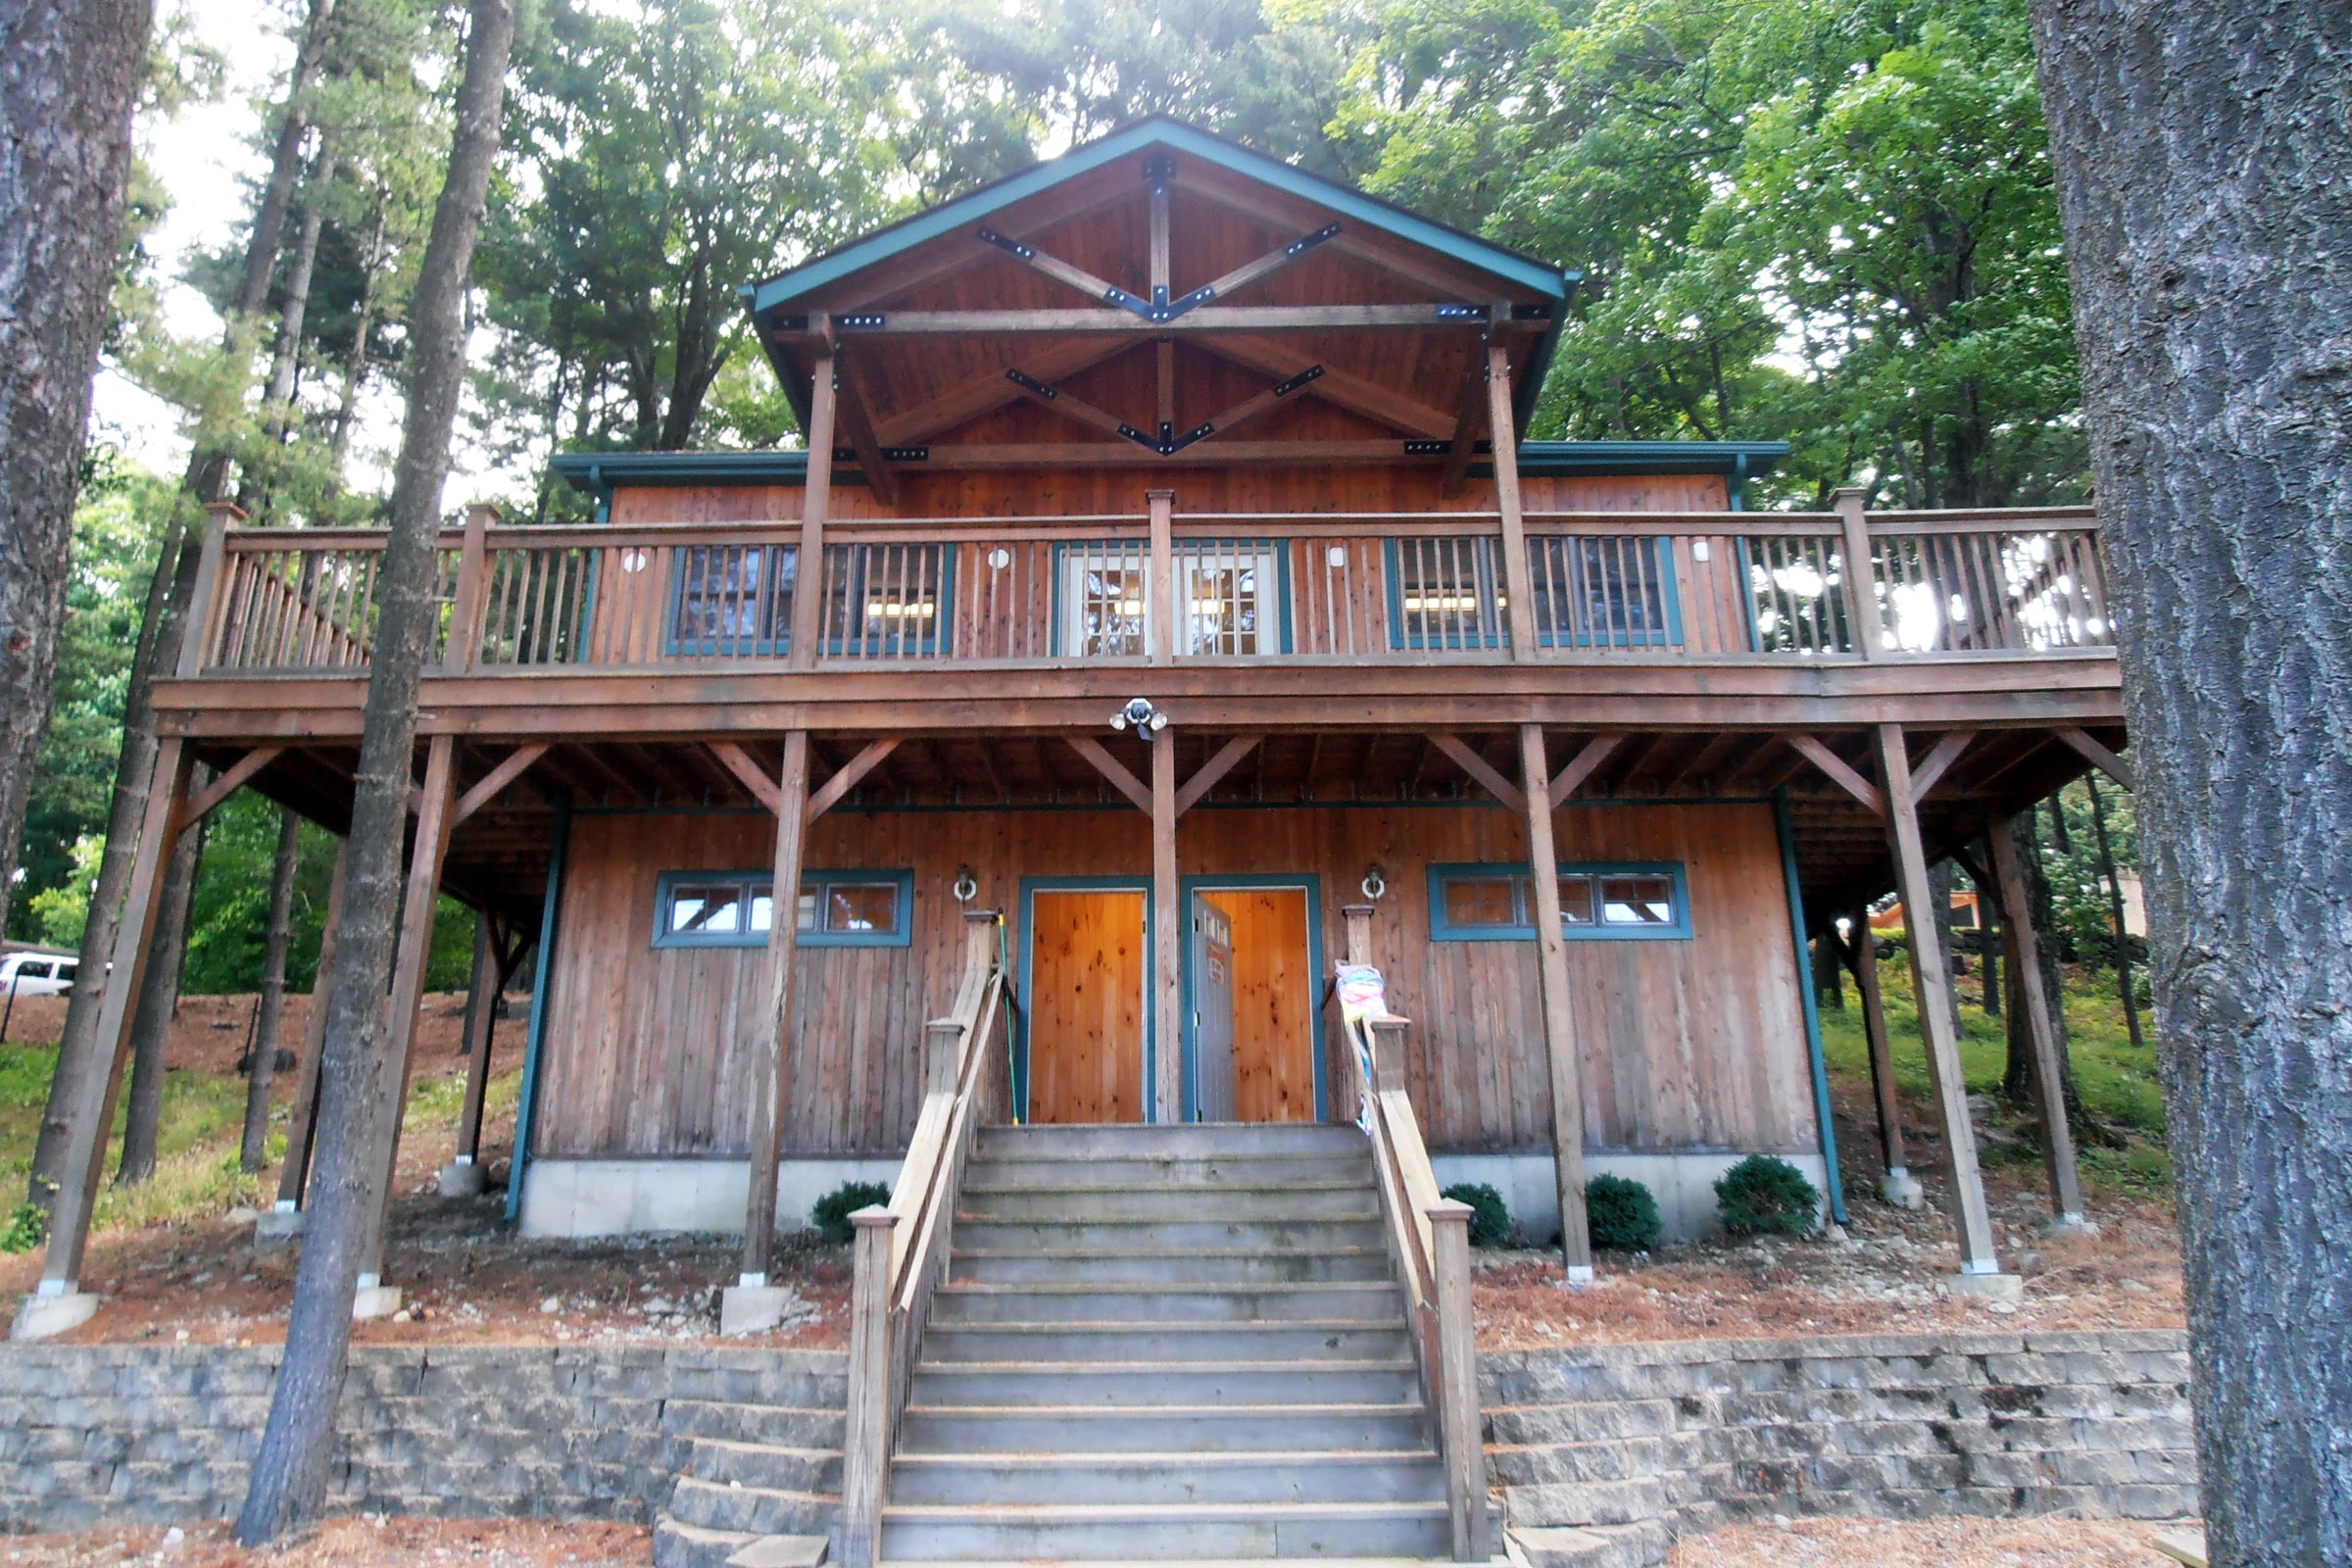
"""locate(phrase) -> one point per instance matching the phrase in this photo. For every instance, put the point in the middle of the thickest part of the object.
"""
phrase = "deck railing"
(1246, 587)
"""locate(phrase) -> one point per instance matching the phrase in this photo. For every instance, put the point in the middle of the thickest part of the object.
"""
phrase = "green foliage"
(1489, 1217)
(1762, 1196)
(1622, 1215)
(26, 1228)
(831, 1216)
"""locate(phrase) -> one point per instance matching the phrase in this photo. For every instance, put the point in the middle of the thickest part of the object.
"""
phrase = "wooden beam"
(747, 773)
(481, 1026)
(1343, 389)
(1932, 986)
(816, 499)
(227, 783)
(1071, 406)
(772, 1052)
(1559, 1015)
(1479, 768)
(516, 764)
(846, 780)
(855, 416)
(1112, 768)
(1519, 616)
(1066, 274)
(2049, 1082)
(1169, 929)
(1429, 316)
(2107, 763)
(1215, 769)
(1597, 751)
(1164, 610)
(1834, 768)
(1050, 363)
(1469, 417)
(1387, 256)
(1940, 761)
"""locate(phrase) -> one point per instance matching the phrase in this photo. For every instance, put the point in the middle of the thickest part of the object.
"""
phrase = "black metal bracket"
(1030, 383)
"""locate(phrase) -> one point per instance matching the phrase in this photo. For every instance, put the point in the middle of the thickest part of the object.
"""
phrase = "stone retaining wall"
(1639, 1443)
(157, 1434)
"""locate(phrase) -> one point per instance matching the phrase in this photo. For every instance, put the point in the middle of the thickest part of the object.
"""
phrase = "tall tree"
(69, 71)
(359, 1094)
(2201, 153)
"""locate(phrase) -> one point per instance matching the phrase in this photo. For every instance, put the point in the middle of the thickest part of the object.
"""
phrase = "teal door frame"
(1306, 882)
(1031, 886)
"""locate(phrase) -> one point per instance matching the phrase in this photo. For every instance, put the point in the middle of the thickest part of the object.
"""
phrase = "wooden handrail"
(903, 1247)
(1428, 1241)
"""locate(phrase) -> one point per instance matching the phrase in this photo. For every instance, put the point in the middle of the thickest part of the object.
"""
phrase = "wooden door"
(1212, 1009)
(1275, 988)
(1088, 961)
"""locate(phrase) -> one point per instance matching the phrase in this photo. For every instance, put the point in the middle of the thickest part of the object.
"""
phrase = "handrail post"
(1861, 573)
(203, 622)
(943, 1046)
(1388, 1051)
(979, 941)
(1459, 1425)
(467, 602)
(866, 1434)
(1357, 919)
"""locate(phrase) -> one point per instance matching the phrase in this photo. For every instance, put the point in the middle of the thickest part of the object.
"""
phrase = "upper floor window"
(1231, 592)
(737, 909)
(734, 598)
(1446, 593)
(885, 600)
(1496, 902)
(1606, 590)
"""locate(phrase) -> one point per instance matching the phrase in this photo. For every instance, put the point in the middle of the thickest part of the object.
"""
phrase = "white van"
(36, 974)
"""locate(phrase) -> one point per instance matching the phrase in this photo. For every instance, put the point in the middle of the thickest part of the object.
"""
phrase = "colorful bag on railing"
(1363, 995)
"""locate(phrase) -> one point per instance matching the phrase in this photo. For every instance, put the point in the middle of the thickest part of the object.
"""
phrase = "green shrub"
(1490, 1218)
(1765, 1196)
(1621, 1214)
(23, 1229)
(833, 1210)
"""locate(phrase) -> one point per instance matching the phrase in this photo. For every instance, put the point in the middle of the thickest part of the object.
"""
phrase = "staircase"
(1167, 1342)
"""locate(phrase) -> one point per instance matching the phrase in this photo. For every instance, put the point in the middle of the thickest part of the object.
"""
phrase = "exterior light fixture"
(1376, 883)
(1140, 715)
(966, 886)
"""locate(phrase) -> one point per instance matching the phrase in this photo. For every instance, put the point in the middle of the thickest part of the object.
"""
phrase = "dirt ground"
(364, 1542)
(1925, 1543)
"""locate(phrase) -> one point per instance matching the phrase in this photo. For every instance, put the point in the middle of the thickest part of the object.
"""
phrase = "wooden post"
(816, 498)
(1387, 1034)
(1160, 618)
(482, 1023)
(203, 622)
(420, 896)
(1897, 1186)
(1460, 1430)
(1519, 614)
(465, 648)
(1932, 986)
(1559, 1018)
(2025, 963)
(1169, 926)
(302, 1126)
(769, 1062)
(1861, 579)
(1356, 919)
(866, 1434)
(94, 1118)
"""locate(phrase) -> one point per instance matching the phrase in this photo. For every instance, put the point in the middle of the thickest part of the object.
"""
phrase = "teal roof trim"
(1550, 281)
(599, 474)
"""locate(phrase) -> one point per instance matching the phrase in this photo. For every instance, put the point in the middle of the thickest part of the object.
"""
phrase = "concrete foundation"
(44, 1317)
(1683, 1183)
(756, 1308)
(1903, 1189)
(578, 1197)
(374, 1300)
(1989, 1287)
(281, 1228)
(463, 1178)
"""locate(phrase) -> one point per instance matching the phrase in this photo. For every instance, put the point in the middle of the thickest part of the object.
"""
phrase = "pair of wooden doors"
(1251, 986)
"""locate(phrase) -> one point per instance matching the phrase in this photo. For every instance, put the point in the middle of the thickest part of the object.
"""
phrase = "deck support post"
(1161, 615)
(816, 497)
(284, 1221)
(1559, 1017)
(59, 1303)
(418, 896)
(1519, 616)
(1897, 1186)
(865, 1433)
(1167, 936)
(769, 1062)
(2049, 1087)
(463, 1176)
(1980, 1266)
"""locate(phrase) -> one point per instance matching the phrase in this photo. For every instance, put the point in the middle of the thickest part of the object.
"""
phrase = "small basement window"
(737, 909)
(1603, 903)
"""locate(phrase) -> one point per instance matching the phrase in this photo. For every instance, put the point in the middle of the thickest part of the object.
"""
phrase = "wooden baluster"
(466, 616)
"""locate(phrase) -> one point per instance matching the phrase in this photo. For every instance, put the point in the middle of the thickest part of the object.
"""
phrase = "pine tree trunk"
(253, 1147)
(79, 1052)
(1988, 946)
(67, 77)
(2200, 154)
(354, 365)
(1940, 879)
(2041, 908)
(159, 1004)
(2115, 915)
(358, 1105)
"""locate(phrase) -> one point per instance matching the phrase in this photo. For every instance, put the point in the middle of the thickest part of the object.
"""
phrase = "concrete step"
(1206, 1267)
(732, 1422)
(1199, 1530)
(1144, 1168)
(760, 1464)
(1341, 1340)
(1183, 1140)
(684, 1545)
(1158, 1237)
(1319, 1198)
(752, 1510)
(1094, 1300)
(1642, 1545)
(1271, 1430)
(1031, 1479)
(1129, 1386)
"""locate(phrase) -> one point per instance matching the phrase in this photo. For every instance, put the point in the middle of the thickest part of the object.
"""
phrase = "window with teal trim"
(1642, 900)
(733, 599)
(737, 909)
(886, 601)
(1605, 590)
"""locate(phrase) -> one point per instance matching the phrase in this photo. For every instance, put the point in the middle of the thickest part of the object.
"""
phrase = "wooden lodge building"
(1176, 585)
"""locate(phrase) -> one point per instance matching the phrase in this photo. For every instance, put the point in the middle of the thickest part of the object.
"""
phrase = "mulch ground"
(364, 1542)
(1924, 1544)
